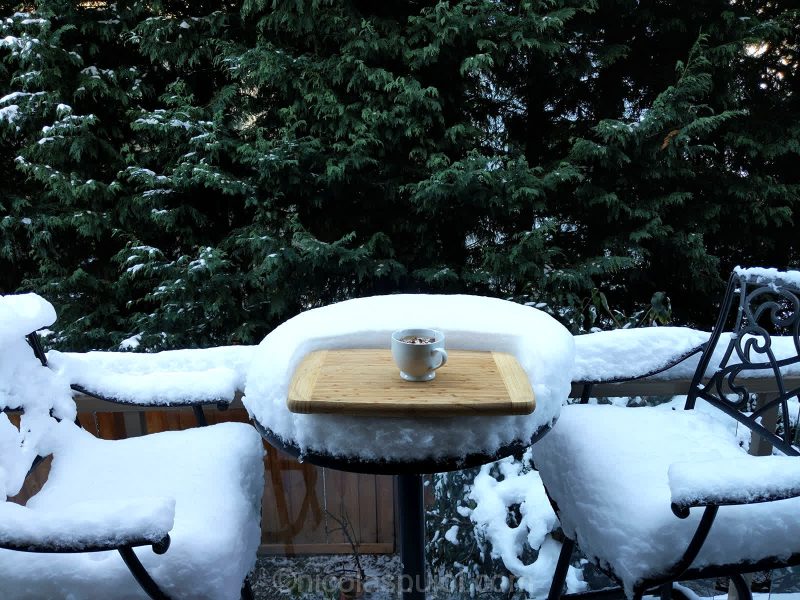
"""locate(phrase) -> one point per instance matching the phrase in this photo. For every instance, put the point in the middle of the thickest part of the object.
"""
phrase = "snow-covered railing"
(651, 386)
(655, 361)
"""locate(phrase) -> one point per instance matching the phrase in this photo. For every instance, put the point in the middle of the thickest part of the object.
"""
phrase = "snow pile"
(624, 354)
(9, 113)
(607, 468)
(22, 314)
(161, 378)
(744, 479)
(87, 524)
(24, 383)
(543, 347)
(766, 276)
(493, 500)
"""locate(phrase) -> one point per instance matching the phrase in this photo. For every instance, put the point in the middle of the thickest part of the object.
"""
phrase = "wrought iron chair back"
(763, 340)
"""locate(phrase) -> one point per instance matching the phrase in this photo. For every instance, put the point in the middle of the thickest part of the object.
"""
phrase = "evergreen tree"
(69, 96)
(378, 118)
(195, 173)
(182, 195)
(671, 131)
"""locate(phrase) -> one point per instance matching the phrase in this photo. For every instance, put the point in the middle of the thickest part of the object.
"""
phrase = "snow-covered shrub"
(494, 529)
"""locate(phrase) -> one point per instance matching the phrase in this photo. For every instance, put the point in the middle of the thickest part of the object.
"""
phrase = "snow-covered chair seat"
(640, 488)
(543, 347)
(200, 486)
(180, 509)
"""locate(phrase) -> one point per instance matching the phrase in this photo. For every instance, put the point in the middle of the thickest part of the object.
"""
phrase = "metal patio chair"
(193, 497)
(656, 495)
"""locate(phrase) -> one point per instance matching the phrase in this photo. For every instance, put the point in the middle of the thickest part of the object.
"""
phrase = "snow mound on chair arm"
(86, 524)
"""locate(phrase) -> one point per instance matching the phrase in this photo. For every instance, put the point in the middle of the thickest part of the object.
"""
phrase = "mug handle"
(443, 353)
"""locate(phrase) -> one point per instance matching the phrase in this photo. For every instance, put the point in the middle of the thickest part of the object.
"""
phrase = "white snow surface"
(607, 468)
(84, 524)
(544, 348)
(21, 314)
(764, 276)
(451, 535)
(743, 479)
(25, 383)
(624, 354)
(629, 353)
(207, 375)
(159, 378)
(131, 343)
(9, 113)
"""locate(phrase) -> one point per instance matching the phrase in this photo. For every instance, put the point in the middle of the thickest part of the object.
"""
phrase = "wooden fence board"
(307, 500)
(326, 548)
(335, 487)
(367, 513)
(274, 509)
(292, 508)
(158, 421)
(110, 426)
(384, 508)
(88, 421)
(34, 482)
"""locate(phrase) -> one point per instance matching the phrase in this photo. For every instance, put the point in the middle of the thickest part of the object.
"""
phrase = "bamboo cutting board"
(367, 383)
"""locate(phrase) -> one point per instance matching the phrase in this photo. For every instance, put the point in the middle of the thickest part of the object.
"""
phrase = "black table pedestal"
(410, 506)
(411, 509)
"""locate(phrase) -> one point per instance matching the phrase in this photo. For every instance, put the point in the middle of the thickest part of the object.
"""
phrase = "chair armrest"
(741, 480)
(87, 526)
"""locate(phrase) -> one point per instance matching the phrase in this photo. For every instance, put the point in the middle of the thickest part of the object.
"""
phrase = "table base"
(411, 509)
(409, 490)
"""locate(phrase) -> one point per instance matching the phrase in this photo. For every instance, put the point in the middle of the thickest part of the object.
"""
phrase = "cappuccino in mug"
(418, 353)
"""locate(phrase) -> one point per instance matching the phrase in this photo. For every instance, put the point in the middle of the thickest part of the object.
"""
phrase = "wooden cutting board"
(367, 383)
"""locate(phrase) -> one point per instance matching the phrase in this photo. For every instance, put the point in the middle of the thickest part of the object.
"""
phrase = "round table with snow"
(408, 447)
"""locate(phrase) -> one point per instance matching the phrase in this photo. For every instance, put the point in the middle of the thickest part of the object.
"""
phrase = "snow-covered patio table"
(407, 446)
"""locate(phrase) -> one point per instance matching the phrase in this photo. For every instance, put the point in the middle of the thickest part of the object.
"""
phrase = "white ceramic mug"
(418, 361)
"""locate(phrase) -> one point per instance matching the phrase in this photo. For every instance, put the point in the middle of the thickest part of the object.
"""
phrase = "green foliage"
(195, 173)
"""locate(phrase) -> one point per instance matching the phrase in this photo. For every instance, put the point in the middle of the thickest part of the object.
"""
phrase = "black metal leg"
(199, 415)
(247, 590)
(740, 585)
(142, 577)
(411, 507)
(562, 567)
(586, 393)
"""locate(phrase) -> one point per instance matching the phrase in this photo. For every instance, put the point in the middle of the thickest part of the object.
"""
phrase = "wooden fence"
(299, 498)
